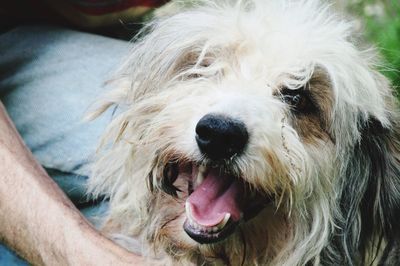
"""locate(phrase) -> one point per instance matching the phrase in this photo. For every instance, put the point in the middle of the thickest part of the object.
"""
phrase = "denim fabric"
(48, 78)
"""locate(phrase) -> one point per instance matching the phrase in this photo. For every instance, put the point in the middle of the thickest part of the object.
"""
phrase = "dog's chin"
(216, 200)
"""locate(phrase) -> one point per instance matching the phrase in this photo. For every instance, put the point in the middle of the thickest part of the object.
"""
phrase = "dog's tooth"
(189, 216)
(193, 223)
(188, 210)
(224, 221)
(199, 179)
(200, 176)
(226, 218)
(215, 229)
(202, 168)
(198, 227)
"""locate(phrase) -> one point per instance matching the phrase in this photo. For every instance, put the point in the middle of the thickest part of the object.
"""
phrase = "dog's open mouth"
(217, 201)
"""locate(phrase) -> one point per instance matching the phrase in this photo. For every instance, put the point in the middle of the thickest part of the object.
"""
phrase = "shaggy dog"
(253, 132)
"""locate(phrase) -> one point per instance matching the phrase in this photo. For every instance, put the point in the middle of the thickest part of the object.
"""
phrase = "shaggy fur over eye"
(252, 132)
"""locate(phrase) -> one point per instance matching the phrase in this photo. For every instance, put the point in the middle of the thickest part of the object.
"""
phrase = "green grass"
(382, 26)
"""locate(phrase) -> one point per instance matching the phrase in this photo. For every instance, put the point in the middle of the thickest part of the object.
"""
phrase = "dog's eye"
(299, 99)
(200, 69)
(194, 76)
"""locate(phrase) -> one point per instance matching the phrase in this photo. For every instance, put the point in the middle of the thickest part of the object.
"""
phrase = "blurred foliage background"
(381, 22)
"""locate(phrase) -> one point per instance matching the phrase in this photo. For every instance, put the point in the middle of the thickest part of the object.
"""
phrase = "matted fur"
(333, 174)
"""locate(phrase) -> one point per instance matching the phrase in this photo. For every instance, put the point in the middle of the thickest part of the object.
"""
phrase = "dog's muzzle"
(218, 199)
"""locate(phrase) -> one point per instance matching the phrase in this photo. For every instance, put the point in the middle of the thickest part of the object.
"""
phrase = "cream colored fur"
(233, 57)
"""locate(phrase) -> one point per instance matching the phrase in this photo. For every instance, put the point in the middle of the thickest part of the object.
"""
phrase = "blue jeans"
(48, 78)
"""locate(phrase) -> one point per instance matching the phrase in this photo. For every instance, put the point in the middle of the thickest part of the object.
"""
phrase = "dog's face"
(238, 125)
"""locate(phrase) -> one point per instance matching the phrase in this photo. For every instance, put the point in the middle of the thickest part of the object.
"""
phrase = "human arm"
(38, 220)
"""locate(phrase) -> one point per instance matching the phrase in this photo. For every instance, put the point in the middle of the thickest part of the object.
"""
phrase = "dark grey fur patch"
(370, 200)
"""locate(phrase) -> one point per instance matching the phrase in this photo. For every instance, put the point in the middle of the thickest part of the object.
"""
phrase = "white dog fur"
(327, 161)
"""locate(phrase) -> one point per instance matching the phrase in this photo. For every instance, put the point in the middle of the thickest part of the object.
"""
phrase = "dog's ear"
(380, 206)
(370, 201)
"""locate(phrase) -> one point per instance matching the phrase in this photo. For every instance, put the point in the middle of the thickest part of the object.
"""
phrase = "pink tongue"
(214, 197)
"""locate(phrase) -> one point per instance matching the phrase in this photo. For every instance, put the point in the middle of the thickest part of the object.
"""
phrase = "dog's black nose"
(220, 137)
